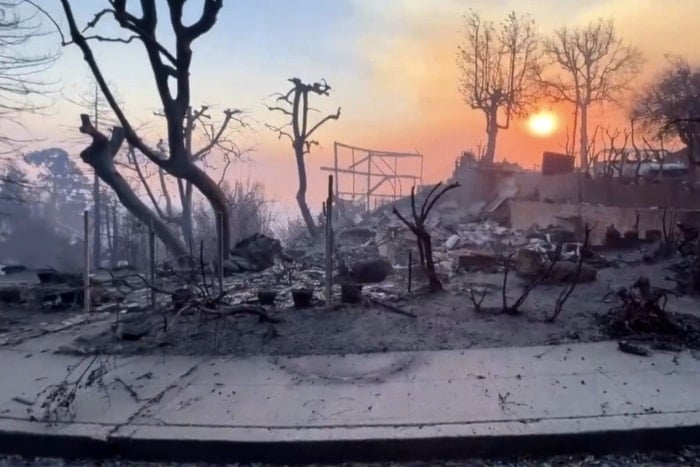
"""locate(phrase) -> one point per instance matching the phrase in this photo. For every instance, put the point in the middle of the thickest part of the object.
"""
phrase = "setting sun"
(542, 123)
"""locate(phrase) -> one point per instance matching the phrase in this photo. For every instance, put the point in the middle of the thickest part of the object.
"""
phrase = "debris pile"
(641, 315)
(464, 245)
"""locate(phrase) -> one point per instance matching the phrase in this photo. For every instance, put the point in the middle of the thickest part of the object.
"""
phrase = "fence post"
(410, 269)
(86, 264)
(152, 262)
(220, 249)
(329, 242)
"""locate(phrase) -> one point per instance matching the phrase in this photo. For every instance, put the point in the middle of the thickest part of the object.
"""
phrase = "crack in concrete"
(152, 401)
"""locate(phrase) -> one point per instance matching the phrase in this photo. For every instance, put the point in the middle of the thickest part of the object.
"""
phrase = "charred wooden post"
(329, 241)
(86, 265)
(152, 262)
(410, 270)
(220, 250)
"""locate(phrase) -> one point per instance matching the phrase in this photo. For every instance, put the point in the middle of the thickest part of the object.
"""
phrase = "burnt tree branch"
(100, 156)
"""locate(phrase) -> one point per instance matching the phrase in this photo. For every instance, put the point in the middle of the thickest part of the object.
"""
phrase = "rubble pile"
(462, 244)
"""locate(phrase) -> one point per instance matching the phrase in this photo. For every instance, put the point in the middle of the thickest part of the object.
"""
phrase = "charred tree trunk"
(584, 137)
(100, 156)
(572, 151)
(186, 190)
(212, 192)
(492, 134)
(301, 192)
(187, 224)
(116, 245)
(108, 227)
(427, 243)
(97, 223)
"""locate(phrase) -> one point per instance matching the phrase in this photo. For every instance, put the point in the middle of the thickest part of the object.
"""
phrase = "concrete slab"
(345, 407)
(425, 388)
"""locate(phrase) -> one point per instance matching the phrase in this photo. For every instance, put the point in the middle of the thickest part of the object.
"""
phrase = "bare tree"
(499, 67)
(569, 287)
(670, 106)
(425, 242)
(21, 80)
(298, 99)
(616, 152)
(592, 66)
(171, 71)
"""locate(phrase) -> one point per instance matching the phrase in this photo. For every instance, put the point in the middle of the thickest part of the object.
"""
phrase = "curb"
(335, 451)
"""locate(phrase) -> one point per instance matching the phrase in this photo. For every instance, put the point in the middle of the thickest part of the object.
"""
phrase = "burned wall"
(577, 188)
(525, 214)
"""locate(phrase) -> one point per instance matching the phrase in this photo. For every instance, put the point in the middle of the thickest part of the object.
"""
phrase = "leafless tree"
(535, 279)
(171, 71)
(425, 243)
(22, 86)
(670, 107)
(569, 287)
(295, 105)
(616, 157)
(499, 67)
(591, 65)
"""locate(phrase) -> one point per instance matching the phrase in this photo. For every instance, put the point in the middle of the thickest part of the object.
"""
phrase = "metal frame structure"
(378, 167)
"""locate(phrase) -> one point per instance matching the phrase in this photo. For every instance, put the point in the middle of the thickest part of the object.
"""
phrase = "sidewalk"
(357, 407)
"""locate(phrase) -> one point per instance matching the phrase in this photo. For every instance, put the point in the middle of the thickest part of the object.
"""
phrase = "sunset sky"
(391, 64)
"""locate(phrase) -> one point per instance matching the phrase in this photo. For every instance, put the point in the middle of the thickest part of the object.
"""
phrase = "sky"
(391, 65)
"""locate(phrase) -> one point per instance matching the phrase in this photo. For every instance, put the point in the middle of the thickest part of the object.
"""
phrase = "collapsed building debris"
(470, 248)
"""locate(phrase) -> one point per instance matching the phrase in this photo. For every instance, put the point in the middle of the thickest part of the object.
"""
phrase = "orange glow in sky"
(392, 68)
(542, 124)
